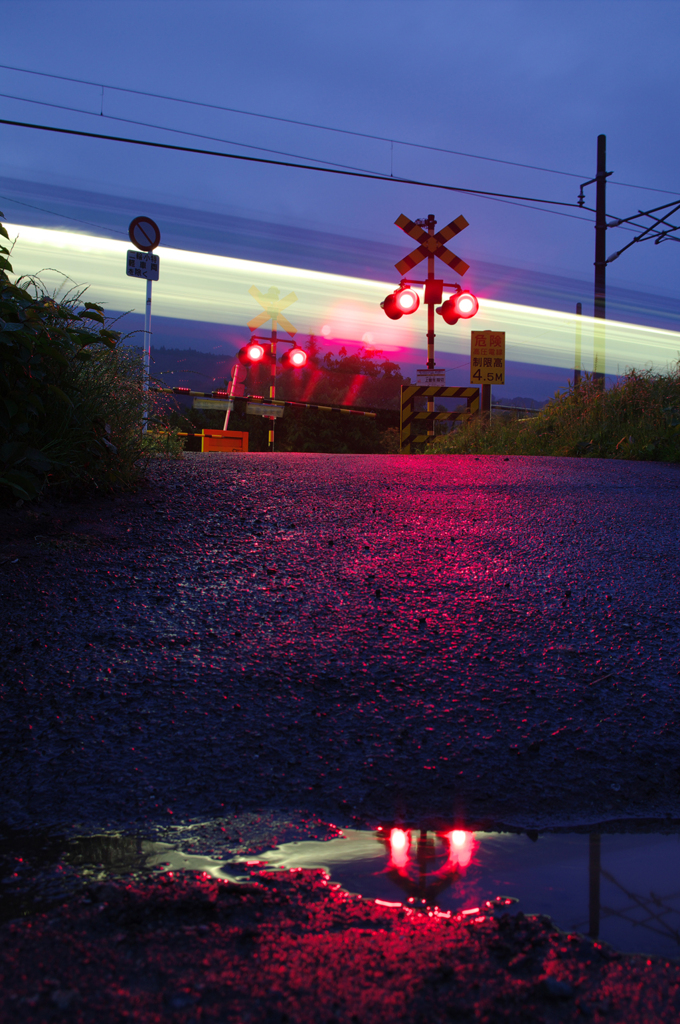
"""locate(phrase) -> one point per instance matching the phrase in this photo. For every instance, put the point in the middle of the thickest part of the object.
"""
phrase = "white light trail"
(214, 289)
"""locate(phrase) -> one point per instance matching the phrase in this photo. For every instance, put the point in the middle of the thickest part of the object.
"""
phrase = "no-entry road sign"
(144, 233)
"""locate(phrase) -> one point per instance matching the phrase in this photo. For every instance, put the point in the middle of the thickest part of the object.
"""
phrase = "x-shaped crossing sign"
(272, 306)
(431, 245)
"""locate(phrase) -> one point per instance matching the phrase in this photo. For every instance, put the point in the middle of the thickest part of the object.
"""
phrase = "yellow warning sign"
(487, 357)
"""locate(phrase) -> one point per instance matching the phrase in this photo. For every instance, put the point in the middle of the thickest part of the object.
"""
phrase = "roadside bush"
(71, 397)
(637, 418)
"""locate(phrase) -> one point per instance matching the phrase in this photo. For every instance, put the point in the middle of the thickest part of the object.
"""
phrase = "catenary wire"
(181, 131)
(495, 197)
(264, 149)
(285, 163)
(321, 127)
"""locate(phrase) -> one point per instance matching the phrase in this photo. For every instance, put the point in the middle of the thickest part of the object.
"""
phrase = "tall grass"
(71, 395)
(96, 441)
(637, 418)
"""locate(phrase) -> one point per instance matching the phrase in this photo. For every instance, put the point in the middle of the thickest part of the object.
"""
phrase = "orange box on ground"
(224, 441)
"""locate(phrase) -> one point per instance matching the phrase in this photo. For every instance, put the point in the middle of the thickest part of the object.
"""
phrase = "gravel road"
(364, 638)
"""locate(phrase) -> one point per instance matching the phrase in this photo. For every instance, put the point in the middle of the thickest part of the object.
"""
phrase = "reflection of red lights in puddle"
(413, 866)
(460, 847)
(400, 843)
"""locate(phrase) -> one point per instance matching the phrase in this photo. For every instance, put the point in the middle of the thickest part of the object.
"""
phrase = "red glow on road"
(461, 847)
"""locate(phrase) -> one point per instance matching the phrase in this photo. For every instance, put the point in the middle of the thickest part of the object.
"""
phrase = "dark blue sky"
(530, 82)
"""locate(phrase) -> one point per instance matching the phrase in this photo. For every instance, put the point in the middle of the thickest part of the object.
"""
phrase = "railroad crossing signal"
(272, 306)
(294, 359)
(431, 245)
(251, 353)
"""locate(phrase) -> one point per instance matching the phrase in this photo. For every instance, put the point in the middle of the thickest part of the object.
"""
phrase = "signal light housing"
(461, 306)
(466, 305)
(251, 353)
(294, 359)
(403, 301)
(407, 300)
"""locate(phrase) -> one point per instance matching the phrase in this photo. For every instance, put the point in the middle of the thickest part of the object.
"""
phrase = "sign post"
(145, 234)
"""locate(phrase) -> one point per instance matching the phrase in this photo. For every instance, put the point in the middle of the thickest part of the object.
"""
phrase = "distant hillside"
(521, 403)
(201, 371)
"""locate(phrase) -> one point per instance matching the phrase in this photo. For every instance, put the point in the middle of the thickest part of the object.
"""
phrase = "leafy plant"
(71, 398)
(637, 418)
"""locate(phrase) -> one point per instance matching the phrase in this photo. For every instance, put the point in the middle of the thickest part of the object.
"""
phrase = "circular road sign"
(144, 233)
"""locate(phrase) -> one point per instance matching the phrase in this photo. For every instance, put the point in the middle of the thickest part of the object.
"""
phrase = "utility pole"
(599, 310)
(599, 304)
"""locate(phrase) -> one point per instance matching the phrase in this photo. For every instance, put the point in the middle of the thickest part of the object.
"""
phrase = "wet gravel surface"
(363, 637)
(253, 647)
(295, 950)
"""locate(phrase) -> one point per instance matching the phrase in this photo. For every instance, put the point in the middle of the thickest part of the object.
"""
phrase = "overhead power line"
(180, 131)
(310, 124)
(285, 120)
(288, 163)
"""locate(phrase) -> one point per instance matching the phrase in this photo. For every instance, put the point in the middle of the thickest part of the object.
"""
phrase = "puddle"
(621, 888)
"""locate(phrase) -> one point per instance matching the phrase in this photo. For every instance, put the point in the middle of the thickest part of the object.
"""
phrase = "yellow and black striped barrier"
(410, 421)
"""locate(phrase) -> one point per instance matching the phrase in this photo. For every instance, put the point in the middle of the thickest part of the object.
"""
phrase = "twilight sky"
(526, 81)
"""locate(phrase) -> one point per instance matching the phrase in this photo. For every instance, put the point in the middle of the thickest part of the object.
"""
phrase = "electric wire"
(263, 149)
(319, 127)
(76, 220)
(180, 131)
(285, 163)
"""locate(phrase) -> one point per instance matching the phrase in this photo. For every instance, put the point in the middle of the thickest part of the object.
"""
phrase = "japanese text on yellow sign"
(487, 357)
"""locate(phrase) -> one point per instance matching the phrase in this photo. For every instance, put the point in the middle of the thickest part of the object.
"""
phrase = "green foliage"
(638, 418)
(71, 399)
(361, 379)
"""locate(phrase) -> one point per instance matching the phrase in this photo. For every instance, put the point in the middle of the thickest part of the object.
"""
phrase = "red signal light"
(407, 300)
(466, 305)
(459, 307)
(294, 358)
(404, 300)
(252, 353)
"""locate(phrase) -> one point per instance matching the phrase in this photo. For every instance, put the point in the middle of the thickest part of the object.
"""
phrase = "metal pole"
(431, 223)
(272, 387)
(238, 373)
(577, 353)
(147, 350)
(485, 404)
(600, 257)
(594, 884)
